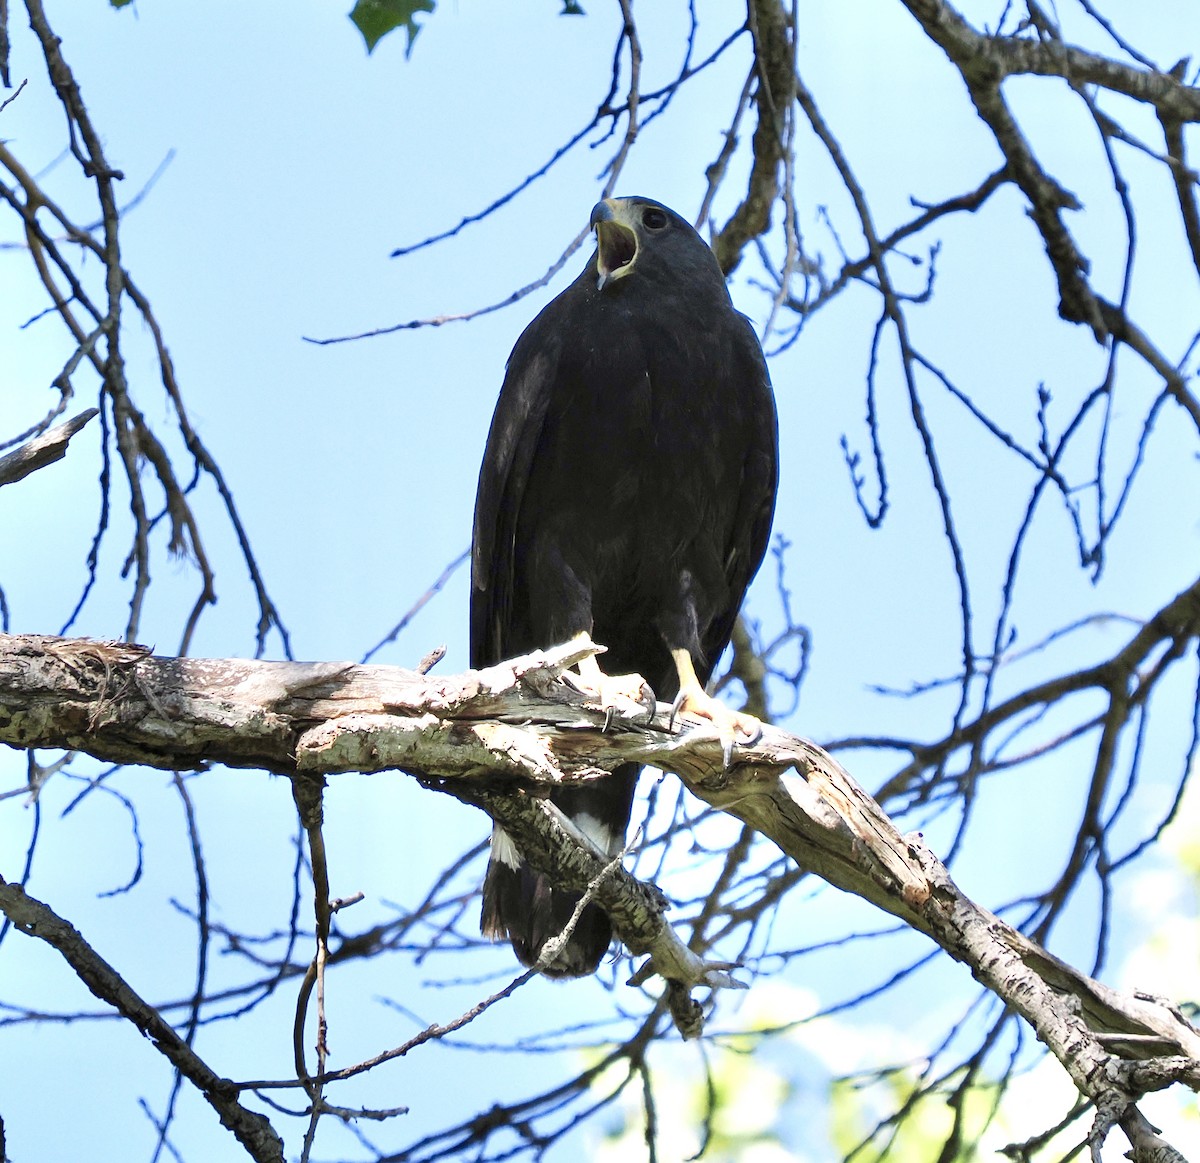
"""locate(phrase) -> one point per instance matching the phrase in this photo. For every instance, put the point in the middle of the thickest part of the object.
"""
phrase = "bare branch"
(775, 65)
(42, 450)
(494, 737)
(35, 919)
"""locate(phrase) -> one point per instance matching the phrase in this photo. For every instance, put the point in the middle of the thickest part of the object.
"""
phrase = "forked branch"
(498, 738)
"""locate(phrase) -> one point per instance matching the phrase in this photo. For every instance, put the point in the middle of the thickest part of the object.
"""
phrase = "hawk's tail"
(523, 906)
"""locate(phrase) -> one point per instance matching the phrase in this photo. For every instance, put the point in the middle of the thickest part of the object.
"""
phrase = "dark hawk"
(626, 492)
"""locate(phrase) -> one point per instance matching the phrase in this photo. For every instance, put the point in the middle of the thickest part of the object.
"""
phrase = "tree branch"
(774, 62)
(496, 738)
(36, 919)
(42, 450)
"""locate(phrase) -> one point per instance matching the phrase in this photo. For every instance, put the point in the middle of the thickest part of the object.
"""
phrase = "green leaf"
(119, 3)
(376, 18)
(572, 8)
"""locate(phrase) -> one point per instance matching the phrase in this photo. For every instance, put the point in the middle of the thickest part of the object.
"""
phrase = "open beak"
(617, 244)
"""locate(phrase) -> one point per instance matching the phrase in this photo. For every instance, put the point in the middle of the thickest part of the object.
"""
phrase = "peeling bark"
(497, 738)
(42, 450)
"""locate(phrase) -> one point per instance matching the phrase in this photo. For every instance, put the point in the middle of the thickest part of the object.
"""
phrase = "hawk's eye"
(653, 218)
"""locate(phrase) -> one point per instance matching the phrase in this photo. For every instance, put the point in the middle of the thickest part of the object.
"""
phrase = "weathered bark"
(42, 450)
(498, 737)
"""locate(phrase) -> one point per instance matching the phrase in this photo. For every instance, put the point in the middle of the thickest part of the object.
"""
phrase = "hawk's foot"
(731, 726)
(615, 693)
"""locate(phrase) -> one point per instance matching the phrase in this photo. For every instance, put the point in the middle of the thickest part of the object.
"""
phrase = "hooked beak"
(616, 242)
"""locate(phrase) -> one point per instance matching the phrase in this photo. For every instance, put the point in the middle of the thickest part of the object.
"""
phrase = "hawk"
(626, 492)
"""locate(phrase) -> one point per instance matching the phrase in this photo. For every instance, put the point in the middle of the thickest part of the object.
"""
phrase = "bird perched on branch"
(626, 492)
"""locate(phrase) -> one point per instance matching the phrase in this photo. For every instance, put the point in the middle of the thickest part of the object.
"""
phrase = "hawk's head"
(639, 235)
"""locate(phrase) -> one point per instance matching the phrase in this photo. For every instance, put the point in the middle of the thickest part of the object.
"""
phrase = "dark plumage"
(626, 491)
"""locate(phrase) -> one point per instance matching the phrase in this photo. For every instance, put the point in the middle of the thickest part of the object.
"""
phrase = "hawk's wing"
(756, 492)
(511, 444)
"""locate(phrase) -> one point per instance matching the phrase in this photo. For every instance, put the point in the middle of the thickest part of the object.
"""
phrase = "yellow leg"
(694, 699)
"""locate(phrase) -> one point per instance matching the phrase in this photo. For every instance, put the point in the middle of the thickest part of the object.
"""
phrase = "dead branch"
(498, 737)
(42, 450)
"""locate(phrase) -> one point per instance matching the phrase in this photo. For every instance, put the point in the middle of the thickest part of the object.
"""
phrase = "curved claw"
(675, 707)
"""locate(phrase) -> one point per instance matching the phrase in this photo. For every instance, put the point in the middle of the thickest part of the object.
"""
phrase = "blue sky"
(297, 165)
